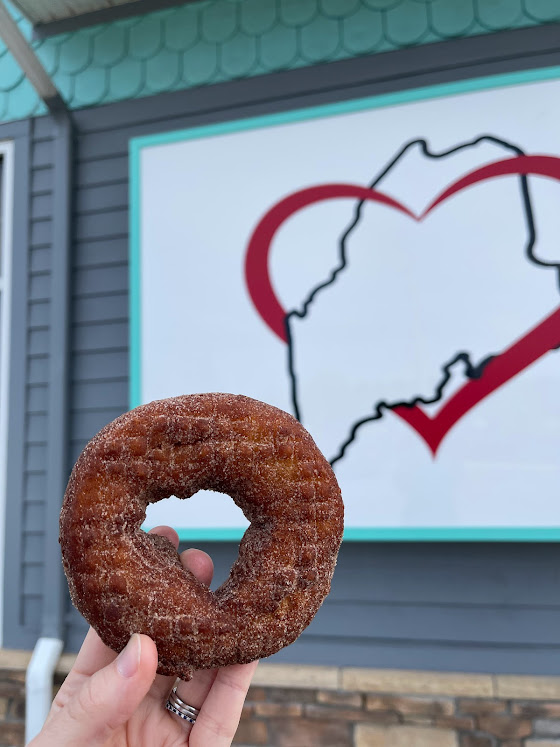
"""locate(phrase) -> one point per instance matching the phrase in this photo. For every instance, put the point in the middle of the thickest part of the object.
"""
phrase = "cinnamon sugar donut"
(126, 581)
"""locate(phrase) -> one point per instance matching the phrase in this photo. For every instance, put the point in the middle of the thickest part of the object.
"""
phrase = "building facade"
(471, 607)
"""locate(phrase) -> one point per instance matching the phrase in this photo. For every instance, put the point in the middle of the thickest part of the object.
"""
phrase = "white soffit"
(48, 11)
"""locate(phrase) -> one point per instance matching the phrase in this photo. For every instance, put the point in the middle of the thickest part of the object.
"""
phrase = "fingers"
(220, 713)
(198, 562)
(196, 691)
(200, 565)
(108, 698)
(168, 533)
(94, 655)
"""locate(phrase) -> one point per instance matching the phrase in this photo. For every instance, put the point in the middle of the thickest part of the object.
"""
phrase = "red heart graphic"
(521, 354)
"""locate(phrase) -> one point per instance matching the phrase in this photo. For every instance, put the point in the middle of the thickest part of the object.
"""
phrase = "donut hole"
(186, 516)
(205, 515)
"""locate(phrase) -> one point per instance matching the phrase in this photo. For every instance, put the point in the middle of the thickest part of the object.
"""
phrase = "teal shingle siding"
(217, 40)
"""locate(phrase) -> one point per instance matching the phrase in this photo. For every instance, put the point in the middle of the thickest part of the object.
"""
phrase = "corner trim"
(13, 628)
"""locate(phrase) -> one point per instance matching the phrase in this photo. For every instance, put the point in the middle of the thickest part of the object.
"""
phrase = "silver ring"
(180, 708)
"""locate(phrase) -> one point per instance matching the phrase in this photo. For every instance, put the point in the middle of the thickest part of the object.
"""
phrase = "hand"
(110, 700)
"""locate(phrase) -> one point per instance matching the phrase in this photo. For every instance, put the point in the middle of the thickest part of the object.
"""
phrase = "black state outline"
(472, 371)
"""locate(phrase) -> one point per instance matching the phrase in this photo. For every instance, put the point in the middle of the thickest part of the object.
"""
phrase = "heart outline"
(522, 353)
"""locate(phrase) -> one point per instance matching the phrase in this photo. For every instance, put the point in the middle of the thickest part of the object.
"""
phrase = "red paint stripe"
(523, 353)
(547, 166)
(257, 260)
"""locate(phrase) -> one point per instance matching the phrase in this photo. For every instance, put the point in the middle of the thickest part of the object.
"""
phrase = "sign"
(387, 270)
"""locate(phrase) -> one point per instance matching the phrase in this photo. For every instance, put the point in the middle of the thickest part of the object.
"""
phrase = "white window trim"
(7, 208)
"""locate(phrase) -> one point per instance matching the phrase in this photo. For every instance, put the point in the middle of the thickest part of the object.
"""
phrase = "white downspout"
(39, 684)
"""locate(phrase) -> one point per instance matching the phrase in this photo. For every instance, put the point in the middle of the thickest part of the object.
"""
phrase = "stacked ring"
(180, 708)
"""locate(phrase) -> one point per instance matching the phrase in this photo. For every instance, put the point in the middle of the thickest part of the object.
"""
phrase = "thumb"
(108, 699)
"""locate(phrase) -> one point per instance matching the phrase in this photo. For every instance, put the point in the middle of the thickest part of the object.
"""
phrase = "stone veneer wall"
(307, 706)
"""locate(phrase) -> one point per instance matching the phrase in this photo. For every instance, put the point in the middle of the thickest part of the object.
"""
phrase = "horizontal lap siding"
(470, 607)
(448, 607)
(99, 325)
(37, 374)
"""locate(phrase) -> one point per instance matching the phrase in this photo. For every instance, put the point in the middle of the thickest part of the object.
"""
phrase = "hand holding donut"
(120, 700)
(125, 581)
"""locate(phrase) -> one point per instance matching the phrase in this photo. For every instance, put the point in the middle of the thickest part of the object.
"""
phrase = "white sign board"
(387, 270)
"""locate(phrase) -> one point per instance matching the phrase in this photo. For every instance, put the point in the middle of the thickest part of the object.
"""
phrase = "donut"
(126, 581)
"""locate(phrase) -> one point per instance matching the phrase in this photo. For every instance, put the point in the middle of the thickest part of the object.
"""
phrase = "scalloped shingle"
(216, 40)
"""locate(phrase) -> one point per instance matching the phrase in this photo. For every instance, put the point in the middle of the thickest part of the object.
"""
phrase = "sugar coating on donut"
(125, 581)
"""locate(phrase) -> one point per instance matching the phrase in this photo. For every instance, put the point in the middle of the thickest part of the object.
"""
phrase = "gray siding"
(35, 585)
(24, 581)
(470, 607)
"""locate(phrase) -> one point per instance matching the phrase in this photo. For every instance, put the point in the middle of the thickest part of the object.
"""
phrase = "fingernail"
(128, 660)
